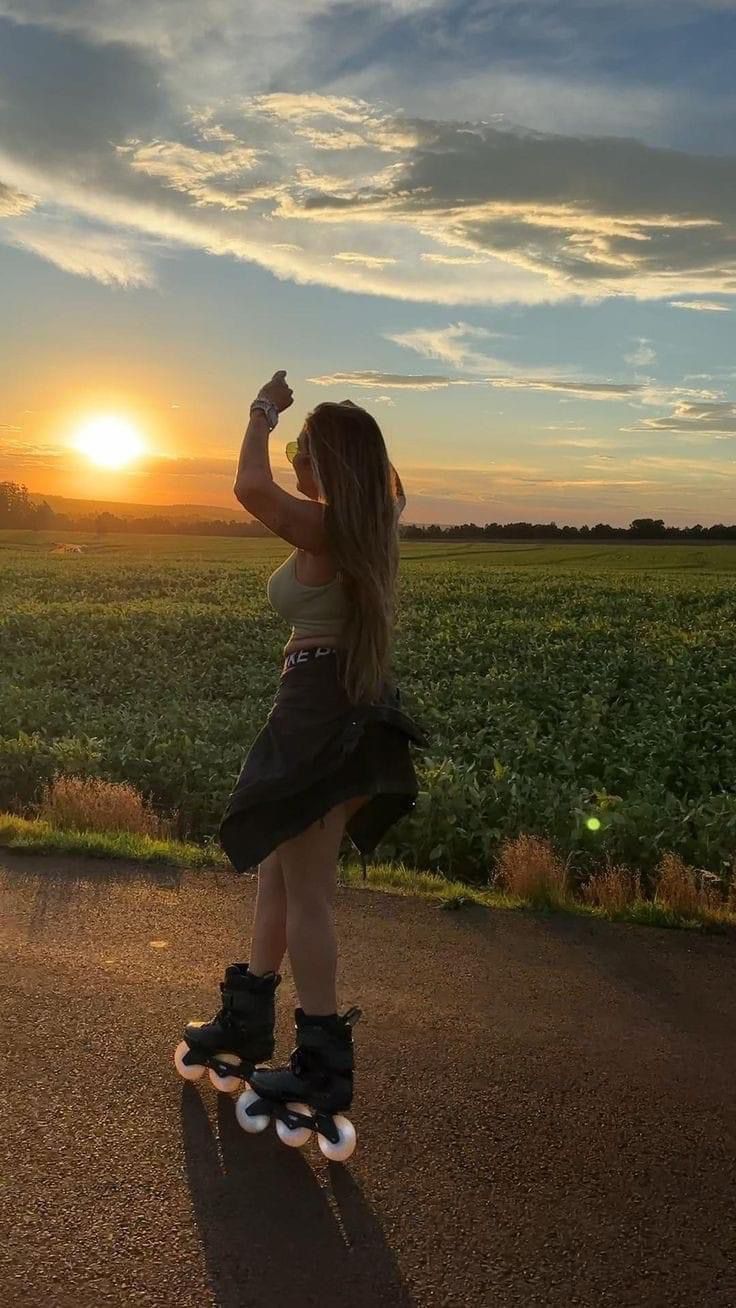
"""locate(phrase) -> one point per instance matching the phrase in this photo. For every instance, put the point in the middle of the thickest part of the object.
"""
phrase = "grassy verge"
(39, 836)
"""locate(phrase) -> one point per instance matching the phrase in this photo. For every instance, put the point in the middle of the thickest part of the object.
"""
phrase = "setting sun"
(110, 442)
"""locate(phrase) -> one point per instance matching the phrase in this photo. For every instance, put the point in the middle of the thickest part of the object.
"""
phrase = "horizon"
(38, 496)
(522, 263)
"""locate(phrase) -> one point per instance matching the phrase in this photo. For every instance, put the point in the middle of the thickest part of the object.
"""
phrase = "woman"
(333, 754)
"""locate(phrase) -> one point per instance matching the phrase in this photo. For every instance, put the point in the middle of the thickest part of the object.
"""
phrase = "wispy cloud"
(642, 355)
(701, 306)
(77, 249)
(680, 464)
(425, 382)
(570, 443)
(398, 381)
(449, 345)
(587, 390)
(208, 177)
(29, 455)
(652, 394)
(718, 419)
(13, 203)
(368, 260)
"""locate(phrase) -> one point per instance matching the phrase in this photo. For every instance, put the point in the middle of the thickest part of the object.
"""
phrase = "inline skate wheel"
(225, 1084)
(295, 1136)
(190, 1071)
(250, 1124)
(340, 1152)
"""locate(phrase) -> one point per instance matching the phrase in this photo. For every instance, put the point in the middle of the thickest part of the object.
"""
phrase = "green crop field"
(582, 692)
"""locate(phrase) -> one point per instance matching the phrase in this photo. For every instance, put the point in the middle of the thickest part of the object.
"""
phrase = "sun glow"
(110, 442)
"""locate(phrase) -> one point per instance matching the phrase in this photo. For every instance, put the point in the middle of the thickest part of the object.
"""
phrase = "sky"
(507, 229)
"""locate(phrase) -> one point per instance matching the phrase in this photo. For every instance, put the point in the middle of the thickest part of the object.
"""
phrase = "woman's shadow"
(274, 1232)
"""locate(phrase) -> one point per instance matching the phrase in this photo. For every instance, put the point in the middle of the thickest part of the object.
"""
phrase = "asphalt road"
(545, 1108)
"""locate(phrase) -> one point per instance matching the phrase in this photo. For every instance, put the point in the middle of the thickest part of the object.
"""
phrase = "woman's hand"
(398, 489)
(277, 391)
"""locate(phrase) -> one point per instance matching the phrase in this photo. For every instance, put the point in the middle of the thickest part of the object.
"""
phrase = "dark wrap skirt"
(315, 750)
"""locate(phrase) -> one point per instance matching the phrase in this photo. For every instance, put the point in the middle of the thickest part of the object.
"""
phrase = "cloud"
(651, 394)
(208, 176)
(721, 374)
(717, 418)
(369, 260)
(587, 390)
(111, 259)
(447, 344)
(121, 136)
(91, 98)
(600, 214)
(399, 381)
(459, 260)
(13, 203)
(195, 466)
(536, 207)
(27, 454)
(176, 29)
(368, 127)
(641, 356)
(702, 306)
(571, 443)
(676, 463)
(408, 381)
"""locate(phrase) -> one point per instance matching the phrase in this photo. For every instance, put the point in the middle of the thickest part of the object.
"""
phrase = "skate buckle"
(223, 1068)
(322, 1123)
(352, 1016)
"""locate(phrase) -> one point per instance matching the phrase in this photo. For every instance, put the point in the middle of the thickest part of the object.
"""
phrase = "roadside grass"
(529, 876)
(92, 804)
(39, 836)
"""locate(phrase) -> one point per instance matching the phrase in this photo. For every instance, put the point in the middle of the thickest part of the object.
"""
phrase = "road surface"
(546, 1108)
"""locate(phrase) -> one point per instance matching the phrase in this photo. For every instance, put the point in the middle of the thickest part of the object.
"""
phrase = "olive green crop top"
(312, 610)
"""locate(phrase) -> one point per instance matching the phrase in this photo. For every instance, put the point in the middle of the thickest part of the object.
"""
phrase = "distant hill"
(180, 512)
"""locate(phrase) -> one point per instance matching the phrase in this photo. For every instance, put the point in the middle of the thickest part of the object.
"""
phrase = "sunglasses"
(292, 449)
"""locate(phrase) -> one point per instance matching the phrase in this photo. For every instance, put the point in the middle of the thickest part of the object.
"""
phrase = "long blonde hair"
(359, 486)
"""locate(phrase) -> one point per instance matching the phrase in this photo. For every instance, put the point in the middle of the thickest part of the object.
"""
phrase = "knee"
(306, 896)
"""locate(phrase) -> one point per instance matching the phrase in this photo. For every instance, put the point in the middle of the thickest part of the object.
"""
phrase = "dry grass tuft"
(614, 889)
(90, 804)
(681, 889)
(528, 867)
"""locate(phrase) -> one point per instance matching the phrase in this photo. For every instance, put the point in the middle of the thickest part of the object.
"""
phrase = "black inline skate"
(239, 1036)
(311, 1093)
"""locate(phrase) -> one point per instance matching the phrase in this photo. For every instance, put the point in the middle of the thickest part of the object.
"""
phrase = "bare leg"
(268, 941)
(309, 866)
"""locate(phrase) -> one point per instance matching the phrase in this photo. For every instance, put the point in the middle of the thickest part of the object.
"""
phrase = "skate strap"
(242, 1001)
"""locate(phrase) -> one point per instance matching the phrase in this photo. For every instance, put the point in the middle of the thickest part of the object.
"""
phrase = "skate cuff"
(243, 1001)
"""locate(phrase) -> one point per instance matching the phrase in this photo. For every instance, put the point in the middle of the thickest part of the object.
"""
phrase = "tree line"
(18, 510)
